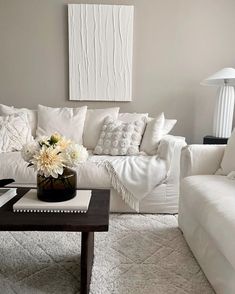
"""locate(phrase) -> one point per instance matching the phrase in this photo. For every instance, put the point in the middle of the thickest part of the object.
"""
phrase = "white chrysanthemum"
(74, 155)
(48, 162)
(63, 143)
(28, 151)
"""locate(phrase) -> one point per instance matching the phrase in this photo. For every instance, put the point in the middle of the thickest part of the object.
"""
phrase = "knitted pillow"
(120, 138)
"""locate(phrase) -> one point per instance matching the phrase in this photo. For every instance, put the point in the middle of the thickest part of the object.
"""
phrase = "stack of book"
(30, 203)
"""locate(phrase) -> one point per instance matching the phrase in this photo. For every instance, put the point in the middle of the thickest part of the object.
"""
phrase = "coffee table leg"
(87, 254)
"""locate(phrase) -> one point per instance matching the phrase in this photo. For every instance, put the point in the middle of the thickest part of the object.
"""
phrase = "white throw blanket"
(134, 177)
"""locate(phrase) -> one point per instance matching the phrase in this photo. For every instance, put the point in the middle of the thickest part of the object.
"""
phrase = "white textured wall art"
(100, 52)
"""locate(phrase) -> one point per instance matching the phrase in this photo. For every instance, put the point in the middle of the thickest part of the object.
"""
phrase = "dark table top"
(94, 220)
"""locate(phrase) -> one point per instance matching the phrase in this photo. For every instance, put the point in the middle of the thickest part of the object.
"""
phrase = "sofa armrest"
(201, 159)
(170, 149)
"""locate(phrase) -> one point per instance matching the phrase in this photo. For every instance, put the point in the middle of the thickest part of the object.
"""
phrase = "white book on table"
(30, 203)
(22, 185)
(6, 194)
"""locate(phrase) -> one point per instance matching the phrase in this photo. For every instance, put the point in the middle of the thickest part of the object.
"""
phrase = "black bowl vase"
(59, 189)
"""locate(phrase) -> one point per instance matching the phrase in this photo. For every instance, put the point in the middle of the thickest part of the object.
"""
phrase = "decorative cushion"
(32, 115)
(152, 135)
(93, 124)
(14, 132)
(120, 138)
(69, 122)
(228, 161)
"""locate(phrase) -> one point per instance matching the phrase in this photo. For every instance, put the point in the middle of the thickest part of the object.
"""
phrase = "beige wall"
(177, 43)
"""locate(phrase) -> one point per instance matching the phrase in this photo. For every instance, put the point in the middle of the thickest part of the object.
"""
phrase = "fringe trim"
(127, 196)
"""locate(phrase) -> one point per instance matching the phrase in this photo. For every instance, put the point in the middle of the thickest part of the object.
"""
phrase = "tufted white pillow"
(14, 132)
(120, 138)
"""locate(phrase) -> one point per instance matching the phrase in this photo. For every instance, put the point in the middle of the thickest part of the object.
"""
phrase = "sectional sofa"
(207, 211)
(93, 174)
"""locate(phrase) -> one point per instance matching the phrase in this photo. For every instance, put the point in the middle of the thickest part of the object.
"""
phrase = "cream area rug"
(141, 254)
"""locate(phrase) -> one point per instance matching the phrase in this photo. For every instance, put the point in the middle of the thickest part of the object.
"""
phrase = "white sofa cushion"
(93, 124)
(152, 135)
(131, 117)
(90, 174)
(210, 199)
(32, 115)
(228, 160)
(198, 159)
(69, 122)
(14, 132)
(120, 138)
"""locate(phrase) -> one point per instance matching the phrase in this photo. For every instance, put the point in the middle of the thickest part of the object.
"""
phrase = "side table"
(214, 140)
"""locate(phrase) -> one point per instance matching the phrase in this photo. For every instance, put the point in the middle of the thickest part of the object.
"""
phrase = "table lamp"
(223, 115)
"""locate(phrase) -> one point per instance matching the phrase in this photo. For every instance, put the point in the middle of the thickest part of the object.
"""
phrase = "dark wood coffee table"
(95, 220)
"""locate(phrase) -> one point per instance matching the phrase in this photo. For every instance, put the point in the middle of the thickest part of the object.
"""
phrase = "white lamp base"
(223, 115)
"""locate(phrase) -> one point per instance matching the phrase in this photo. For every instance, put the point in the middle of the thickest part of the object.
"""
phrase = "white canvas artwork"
(100, 52)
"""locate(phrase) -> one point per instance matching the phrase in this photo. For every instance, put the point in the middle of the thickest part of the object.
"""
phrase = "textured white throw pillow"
(14, 132)
(152, 135)
(228, 161)
(93, 124)
(120, 138)
(69, 122)
(32, 115)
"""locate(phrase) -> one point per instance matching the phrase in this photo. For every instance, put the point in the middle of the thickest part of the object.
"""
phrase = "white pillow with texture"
(69, 122)
(228, 161)
(130, 117)
(93, 124)
(32, 115)
(14, 132)
(120, 138)
(152, 135)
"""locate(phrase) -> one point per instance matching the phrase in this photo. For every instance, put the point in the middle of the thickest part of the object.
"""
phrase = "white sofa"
(207, 214)
(163, 199)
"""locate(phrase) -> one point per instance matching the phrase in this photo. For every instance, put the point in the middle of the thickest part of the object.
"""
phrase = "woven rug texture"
(141, 254)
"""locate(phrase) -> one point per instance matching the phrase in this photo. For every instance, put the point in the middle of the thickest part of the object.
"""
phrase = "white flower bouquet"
(49, 155)
(52, 158)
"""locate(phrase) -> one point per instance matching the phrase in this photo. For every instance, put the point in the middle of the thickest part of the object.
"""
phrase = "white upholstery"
(152, 135)
(201, 159)
(228, 160)
(215, 265)
(131, 117)
(93, 124)
(207, 214)
(92, 174)
(32, 115)
(164, 198)
(62, 120)
(14, 132)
